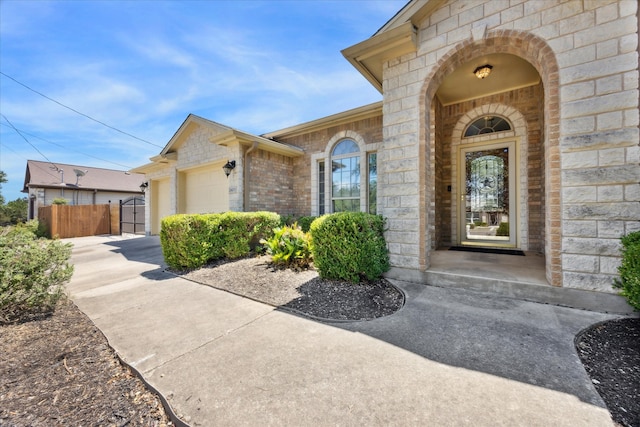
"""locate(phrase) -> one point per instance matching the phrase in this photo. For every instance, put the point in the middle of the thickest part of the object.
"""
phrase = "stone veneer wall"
(586, 53)
(305, 174)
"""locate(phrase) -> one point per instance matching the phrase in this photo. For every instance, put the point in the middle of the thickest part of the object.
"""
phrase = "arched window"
(351, 183)
(487, 124)
(345, 177)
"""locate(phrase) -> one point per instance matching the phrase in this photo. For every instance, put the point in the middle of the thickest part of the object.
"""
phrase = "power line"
(48, 172)
(75, 151)
(28, 142)
(78, 112)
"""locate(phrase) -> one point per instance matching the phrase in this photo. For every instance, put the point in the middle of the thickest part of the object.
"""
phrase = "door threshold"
(488, 250)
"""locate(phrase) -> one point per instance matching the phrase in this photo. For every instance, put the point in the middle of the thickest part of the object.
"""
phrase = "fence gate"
(132, 215)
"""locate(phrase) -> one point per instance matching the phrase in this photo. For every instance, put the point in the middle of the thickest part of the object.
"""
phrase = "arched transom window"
(487, 124)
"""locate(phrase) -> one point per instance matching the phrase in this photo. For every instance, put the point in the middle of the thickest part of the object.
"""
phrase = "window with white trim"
(344, 181)
(345, 177)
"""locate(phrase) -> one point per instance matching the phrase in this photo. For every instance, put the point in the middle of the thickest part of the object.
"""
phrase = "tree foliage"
(13, 212)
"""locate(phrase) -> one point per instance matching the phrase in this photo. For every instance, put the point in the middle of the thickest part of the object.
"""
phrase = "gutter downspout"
(245, 177)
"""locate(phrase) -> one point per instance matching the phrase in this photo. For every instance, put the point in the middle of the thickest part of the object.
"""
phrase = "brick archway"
(538, 53)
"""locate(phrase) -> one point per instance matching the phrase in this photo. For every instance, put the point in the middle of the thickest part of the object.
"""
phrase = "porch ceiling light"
(483, 71)
(231, 165)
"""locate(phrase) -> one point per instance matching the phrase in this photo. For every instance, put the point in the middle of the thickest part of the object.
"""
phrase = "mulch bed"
(60, 371)
(301, 291)
(610, 353)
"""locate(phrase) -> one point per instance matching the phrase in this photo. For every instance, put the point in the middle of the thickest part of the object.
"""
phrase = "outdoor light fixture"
(483, 71)
(143, 186)
(231, 165)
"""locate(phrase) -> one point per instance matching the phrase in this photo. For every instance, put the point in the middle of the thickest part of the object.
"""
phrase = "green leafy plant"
(349, 246)
(289, 247)
(503, 229)
(629, 270)
(32, 272)
(59, 201)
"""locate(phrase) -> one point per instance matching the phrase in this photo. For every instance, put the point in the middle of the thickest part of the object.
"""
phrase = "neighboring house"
(79, 185)
(503, 125)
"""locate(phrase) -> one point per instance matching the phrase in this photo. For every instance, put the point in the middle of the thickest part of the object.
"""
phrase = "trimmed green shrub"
(243, 231)
(32, 272)
(349, 246)
(503, 229)
(305, 222)
(289, 247)
(629, 270)
(190, 241)
(186, 240)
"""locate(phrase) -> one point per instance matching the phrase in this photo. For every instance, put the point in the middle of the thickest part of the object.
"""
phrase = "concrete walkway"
(448, 358)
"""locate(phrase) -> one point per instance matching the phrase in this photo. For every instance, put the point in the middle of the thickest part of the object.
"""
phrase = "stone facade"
(587, 56)
(575, 129)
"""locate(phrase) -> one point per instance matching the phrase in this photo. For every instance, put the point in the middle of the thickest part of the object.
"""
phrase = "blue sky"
(142, 66)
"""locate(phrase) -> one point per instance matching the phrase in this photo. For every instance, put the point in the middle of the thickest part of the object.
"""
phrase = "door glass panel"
(487, 195)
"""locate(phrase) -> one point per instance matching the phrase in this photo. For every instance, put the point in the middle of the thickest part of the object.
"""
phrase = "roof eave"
(360, 113)
(243, 138)
(369, 56)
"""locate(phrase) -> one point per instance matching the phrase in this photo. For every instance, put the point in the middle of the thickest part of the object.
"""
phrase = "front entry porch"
(520, 277)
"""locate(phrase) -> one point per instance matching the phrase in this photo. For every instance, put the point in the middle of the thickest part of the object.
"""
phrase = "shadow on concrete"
(523, 341)
(145, 250)
(139, 249)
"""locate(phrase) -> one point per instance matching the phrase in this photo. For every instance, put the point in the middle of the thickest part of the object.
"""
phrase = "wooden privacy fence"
(78, 220)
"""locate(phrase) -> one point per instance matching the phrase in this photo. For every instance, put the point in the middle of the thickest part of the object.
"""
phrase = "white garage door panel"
(206, 190)
(160, 203)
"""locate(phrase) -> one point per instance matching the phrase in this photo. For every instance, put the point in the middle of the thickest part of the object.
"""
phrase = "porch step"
(546, 294)
(520, 277)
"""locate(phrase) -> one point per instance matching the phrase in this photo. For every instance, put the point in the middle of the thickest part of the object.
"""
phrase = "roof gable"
(186, 128)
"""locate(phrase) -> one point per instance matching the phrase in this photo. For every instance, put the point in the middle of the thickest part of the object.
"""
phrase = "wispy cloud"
(144, 66)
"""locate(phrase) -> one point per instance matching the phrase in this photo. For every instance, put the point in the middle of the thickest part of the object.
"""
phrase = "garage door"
(204, 190)
(160, 203)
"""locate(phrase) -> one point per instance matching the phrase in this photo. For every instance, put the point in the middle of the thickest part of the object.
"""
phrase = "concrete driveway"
(449, 357)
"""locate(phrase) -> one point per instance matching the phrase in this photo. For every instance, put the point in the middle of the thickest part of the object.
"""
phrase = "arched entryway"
(522, 91)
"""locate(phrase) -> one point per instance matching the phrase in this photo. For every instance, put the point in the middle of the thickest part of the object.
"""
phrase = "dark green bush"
(190, 241)
(286, 220)
(305, 222)
(289, 247)
(349, 246)
(503, 229)
(32, 272)
(629, 269)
